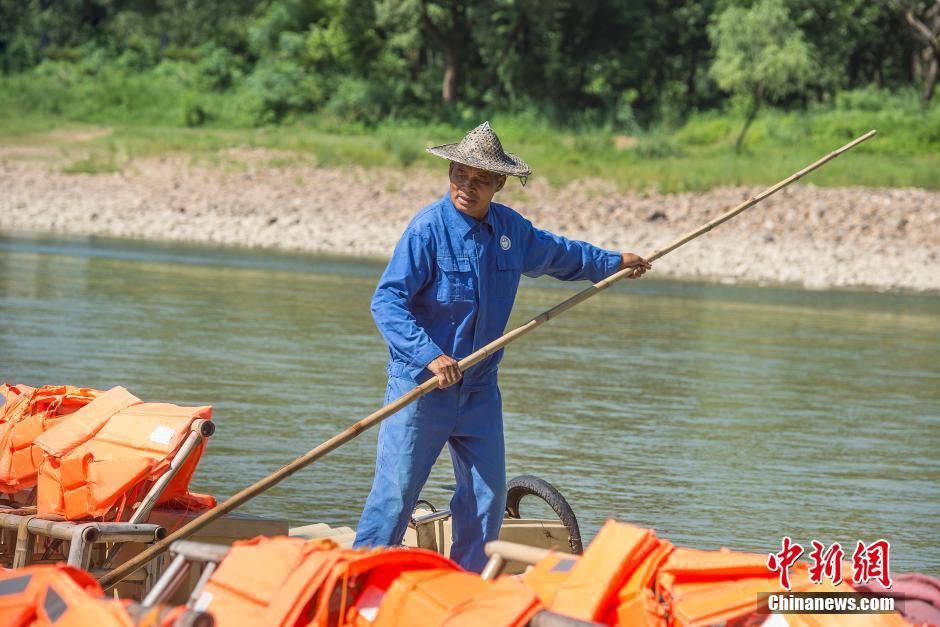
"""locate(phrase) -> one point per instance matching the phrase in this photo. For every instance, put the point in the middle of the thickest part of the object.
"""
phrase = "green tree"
(760, 54)
(857, 38)
(620, 64)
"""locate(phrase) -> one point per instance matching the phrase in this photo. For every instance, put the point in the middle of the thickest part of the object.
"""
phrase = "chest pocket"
(508, 271)
(455, 282)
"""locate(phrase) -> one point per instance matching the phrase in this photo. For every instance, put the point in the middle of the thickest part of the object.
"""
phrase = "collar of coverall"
(460, 221)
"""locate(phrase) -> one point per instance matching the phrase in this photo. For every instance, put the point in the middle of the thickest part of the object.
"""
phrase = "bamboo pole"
(119, 573)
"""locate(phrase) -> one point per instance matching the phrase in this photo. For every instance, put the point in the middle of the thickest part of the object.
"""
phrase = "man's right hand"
(446, 370)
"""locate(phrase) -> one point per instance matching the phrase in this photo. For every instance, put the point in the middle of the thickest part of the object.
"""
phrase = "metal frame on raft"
(186, 553)
(501, 553)
(430, 529)
(20, 526)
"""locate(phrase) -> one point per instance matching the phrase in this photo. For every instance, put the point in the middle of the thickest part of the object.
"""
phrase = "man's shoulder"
(508, 215)
(424, 222)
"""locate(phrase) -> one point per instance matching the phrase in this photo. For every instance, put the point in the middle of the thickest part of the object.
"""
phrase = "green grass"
(120, 118)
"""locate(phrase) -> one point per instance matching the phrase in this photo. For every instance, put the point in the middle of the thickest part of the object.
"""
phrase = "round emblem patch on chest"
(504, 242)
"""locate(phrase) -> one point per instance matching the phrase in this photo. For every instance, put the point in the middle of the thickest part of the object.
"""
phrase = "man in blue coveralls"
(446, 292)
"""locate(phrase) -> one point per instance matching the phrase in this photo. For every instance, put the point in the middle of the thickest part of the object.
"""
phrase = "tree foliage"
(620, 63)
(760, 54)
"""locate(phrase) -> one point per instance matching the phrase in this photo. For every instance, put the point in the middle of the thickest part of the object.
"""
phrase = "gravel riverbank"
(816, 237)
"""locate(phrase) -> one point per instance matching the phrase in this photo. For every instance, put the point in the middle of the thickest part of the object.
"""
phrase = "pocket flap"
(508, 262)
(454, 263)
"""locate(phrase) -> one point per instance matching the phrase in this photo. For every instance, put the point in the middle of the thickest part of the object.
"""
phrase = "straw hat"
(481, 148)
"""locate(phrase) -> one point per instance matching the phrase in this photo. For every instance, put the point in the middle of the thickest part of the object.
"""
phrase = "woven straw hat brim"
(511, 165)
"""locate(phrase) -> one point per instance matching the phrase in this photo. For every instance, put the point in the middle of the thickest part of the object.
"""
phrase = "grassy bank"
(104, 124)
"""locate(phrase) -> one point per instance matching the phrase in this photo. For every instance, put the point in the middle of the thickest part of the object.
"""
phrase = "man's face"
(472, 189)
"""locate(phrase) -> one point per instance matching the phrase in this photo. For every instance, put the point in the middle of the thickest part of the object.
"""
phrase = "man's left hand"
(639, 265)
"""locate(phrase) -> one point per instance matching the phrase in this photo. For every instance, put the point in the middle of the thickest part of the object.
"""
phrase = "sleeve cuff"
(613, 259)
(422, 357)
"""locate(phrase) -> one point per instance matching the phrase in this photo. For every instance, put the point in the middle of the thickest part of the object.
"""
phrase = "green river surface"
(720, 415)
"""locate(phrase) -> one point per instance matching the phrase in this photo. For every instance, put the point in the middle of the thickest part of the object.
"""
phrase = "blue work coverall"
(448, 290)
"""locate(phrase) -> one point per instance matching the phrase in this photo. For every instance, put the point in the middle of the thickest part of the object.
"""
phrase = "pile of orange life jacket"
(25, 415)
(90, 453)
(627, 576)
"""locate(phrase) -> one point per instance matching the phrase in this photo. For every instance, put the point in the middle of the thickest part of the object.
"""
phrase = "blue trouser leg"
(409, 443)
(478, 452)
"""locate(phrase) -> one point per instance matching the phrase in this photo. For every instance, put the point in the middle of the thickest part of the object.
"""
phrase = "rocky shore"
(816, 237)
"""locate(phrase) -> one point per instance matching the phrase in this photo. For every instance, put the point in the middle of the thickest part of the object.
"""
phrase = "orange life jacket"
(456, 599)
(110, 451)
(60, 595)
(248, 587)
(56, 595)
(420, 596)
(285, 582)
(26, 414)
(360, 580)
(546, 577)
(9, 392)
(704, 587)
(587, 588)
(636, 602)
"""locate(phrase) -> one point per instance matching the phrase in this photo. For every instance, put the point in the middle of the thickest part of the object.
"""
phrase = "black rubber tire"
(424, 502)
(525, 485)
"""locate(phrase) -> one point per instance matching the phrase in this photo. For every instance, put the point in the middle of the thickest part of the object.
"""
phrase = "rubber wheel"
(525, 485)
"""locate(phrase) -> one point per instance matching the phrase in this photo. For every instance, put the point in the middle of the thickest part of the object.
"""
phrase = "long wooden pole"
(119, 573)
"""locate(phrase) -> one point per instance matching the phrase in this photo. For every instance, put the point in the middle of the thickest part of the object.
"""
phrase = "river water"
(720, 415)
